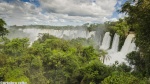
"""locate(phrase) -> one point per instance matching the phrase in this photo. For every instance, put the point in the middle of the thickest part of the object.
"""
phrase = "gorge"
(107, 43)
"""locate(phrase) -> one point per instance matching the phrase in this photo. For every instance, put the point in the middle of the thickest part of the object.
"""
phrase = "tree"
(16, 47)
(3, 31)
(16, 75)
(89, 53)
(121, 78)
(92, 27)
(138, 19)
(104, 56)
(121, 28)
(94, 72)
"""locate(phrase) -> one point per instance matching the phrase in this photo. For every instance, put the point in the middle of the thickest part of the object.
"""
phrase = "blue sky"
(35, 2)
(59, 12)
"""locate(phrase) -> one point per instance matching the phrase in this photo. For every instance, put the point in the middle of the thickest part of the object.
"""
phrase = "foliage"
(120, 27)
(57, 61)
(121, 78)
(16, 47)
(93, 27)
(138, 19)
(94, 72)
(16, 75)
(3, 31)
(50, 60)
(104, 56)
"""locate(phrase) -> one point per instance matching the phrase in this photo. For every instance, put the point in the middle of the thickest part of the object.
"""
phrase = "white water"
(128, 47)
(115, 43)
(106, 41)
(115, 55)
(128, 44)
(32, 33)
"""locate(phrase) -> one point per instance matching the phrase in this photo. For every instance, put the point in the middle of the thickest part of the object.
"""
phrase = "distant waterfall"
(115, 43)
(106, 41)
(32, 33)
(128, 44)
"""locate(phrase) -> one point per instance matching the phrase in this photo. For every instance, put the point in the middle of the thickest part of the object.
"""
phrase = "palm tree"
(104, 56)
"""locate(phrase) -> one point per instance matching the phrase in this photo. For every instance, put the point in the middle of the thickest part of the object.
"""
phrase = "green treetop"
(3, 30)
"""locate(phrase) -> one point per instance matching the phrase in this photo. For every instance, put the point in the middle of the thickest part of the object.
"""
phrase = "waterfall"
(127, 47)
(132, 47)
(128, 42)
(113, 53)
(106, 41)
(32, 33)
(115, 43)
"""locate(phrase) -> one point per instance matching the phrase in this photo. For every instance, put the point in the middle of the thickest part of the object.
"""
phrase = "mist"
(66, 32)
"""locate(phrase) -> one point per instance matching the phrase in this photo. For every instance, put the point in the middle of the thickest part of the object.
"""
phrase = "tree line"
(52, 60)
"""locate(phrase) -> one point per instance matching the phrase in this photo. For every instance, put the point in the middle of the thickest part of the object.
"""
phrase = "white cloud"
(102, 8)
(52, 12)
(109, 19)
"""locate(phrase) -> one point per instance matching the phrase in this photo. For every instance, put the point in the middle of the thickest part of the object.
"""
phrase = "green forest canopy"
(51, 60)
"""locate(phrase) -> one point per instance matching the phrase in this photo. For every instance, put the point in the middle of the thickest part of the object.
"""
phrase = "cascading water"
(115, 43)
(128, 47)
(127, 44)
(132, 46)
(32, 33)
(106, 41)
